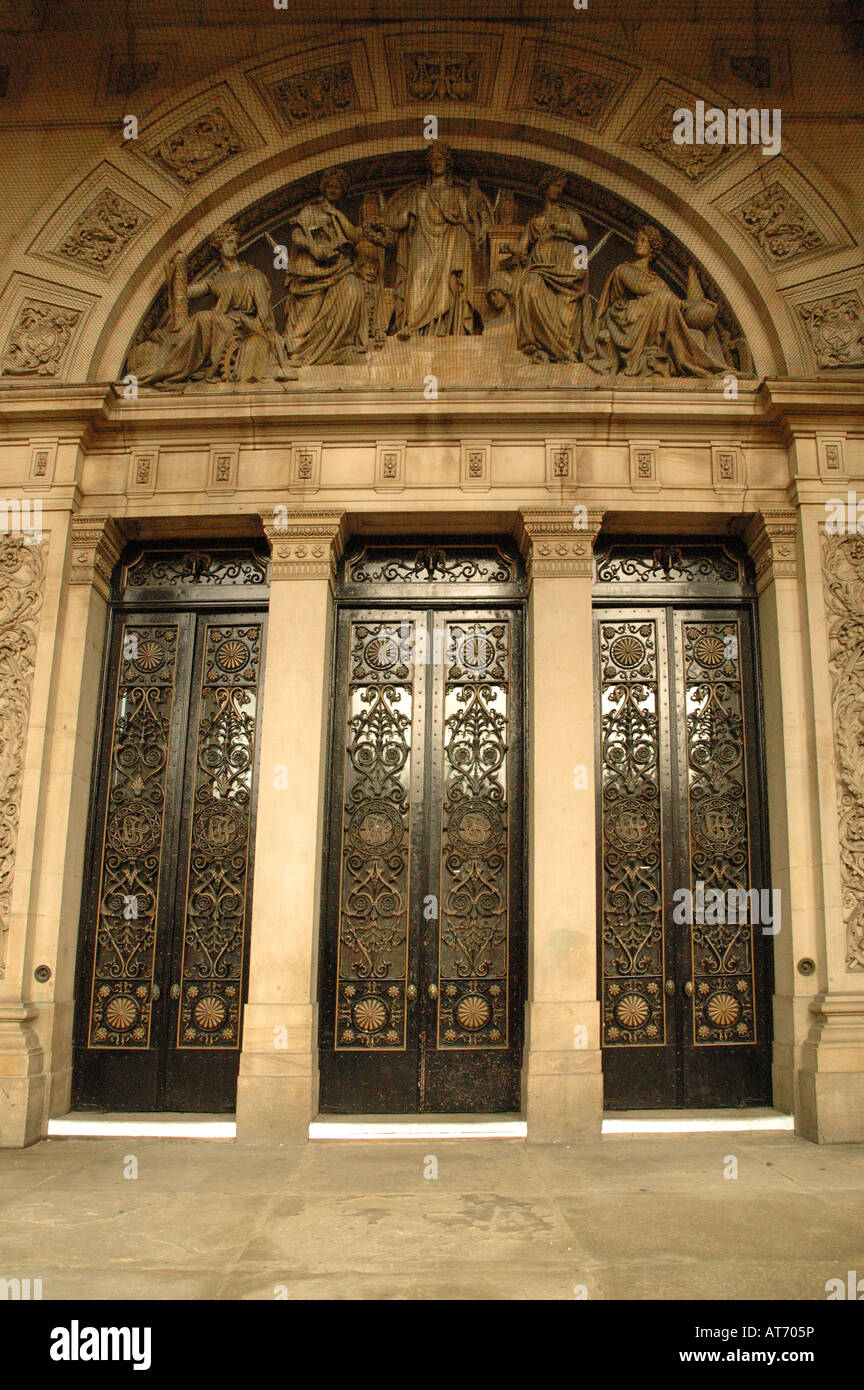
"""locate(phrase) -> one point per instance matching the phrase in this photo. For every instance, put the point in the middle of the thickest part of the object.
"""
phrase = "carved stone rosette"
(772, 540)
(96, 545)
(843, 573)
(304, 545)
(558, 542)
(22, 579)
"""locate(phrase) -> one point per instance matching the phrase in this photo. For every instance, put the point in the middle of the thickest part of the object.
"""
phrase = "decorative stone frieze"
(645, 465)
(558, 542)
(835, 326)
(574, 84)
(304, 544)
(727, 468)
(843, 582)
(389, 465)
(475, 473)
(651, 131)
(96, 545)
(40, 339)
(323, 82)
(22, 580)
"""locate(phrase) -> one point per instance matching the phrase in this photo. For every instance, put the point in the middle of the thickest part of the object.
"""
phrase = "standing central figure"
(442, 222)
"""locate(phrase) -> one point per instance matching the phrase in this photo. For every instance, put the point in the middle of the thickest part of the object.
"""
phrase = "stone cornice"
(558, 542)
(304, 544)
(96, 545)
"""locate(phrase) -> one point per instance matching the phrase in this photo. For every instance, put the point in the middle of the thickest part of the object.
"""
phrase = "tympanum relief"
(440, 274)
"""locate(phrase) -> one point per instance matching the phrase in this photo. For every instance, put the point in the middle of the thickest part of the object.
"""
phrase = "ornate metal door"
(422, 971)
(164, 927)
(686, 918)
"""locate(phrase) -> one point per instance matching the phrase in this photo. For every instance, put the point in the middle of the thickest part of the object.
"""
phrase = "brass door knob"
(688, 988)
(175, 991)
(155, 991)
(670, 986)
(412, 991)
(432, 991)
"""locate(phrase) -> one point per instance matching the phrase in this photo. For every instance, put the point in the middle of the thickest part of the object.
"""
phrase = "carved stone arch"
(602, 151)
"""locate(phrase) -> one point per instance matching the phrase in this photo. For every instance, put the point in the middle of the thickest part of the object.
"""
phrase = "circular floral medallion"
(473, 1012)
(383, 651)
(632, 1010)
(370, 1015)
(475, 651)
(135, 829)
(209, 1012)
(627, 651)
(719, 819)
(710, 650)
(150, 655)
(723, 1009)
(232, 655)
(121, 1012)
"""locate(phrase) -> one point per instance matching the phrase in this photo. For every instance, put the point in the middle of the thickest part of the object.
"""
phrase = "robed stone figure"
(441, 223)
(554, 318)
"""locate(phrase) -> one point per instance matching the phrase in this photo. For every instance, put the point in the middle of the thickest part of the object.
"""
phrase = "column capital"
(304, 544)
(558, 542)
(772, 540)
(97, 542)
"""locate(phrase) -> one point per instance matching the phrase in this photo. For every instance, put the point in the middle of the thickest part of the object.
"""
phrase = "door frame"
(393, 596)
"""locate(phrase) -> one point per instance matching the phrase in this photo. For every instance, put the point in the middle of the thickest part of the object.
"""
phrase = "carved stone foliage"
(651, 131)
(103, 231)
(39, 339)
(570, 91)
(202, 145)
(22, 577)
(843, 570)
(447, 76)
(836, 329)
(779, 224)
(309, 96)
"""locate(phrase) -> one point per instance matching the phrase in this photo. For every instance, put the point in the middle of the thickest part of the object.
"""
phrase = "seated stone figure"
(329, 313)
(642, 326)
(554, 319)
(236, 340)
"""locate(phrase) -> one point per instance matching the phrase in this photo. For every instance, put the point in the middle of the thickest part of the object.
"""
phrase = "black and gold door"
(686, 914)
(422, 967)
(164, 927)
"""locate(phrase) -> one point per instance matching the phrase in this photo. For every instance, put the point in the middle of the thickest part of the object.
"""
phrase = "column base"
(23, 1082)
(831, 1080)
(277, 1088)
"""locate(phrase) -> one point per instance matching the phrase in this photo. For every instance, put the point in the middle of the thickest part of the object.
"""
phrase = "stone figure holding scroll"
(236, 340)
(330, 314)
(644, 329)
(554, 318)
(441, 223)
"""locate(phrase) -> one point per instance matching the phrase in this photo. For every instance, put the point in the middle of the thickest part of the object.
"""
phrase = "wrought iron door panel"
(421, 1000)
(163, 959)
(685, 1004)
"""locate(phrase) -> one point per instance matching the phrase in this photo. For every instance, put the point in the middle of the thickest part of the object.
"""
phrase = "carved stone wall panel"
(222, 471)
(728, 468)
(475, 465)
(571, 83)
(783, 215)
(199, 137)
(305, 467)
(389, 465)
(41, 463)
(831, 313)
(432, 66)
(831, 453)
(747, 67)
(651, 129)
(843, 578)
(143, 470)
(645, 465)
(319, 83)
(22, 582)
(43, 322)
(97, 224)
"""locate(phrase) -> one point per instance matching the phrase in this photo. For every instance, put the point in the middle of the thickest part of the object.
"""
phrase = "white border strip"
(97, 1128)
(701, 1126)
(417, 1129)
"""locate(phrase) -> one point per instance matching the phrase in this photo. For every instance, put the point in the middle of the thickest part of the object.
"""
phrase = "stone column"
(278, 1082)
(773, 541)
(563, 1081)
(45, 821)
(832, 1069)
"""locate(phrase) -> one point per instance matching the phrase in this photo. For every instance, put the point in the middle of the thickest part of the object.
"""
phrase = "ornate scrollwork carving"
(173, 569)
(22, 579)
(843, 571)
(667, 563)
(453, 564)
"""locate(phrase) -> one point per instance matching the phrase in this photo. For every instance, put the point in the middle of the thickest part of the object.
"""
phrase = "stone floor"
(646, 1217)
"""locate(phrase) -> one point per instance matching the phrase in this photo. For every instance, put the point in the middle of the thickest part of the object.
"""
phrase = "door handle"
(432, 991)
(412, 991)
(175, 991)
(670, 986)
(155, 991)
(688, 988)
